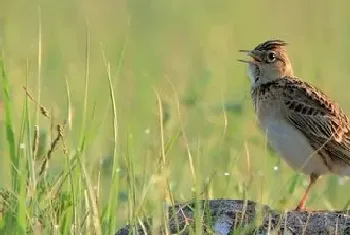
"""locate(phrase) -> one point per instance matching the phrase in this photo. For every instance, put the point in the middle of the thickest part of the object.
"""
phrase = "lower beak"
(245, 61)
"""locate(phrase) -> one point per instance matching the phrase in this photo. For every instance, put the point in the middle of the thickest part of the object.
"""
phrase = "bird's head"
(269, 61)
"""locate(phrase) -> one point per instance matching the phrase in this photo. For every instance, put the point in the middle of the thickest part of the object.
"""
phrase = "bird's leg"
(301, 205)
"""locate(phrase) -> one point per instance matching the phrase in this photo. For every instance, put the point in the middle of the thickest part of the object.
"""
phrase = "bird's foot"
(300, 208)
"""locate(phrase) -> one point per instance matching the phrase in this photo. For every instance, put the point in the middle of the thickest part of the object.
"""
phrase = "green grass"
(147, 105)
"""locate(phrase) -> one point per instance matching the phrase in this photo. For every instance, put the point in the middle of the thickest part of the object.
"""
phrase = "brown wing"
(321, 120)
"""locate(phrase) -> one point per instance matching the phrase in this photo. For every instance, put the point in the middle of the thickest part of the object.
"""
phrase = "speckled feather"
(310, 111)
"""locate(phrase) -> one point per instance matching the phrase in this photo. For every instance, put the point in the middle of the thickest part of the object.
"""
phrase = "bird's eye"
(271, 57)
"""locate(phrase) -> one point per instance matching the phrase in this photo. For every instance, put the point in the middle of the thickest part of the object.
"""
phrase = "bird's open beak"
(251, 54)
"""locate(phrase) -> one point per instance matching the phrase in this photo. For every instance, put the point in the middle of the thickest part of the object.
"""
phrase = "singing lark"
(302, 124)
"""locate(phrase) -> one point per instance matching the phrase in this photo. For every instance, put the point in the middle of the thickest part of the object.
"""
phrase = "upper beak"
(251, 54)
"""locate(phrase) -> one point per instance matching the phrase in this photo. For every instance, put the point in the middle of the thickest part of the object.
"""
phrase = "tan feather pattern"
(310, 111)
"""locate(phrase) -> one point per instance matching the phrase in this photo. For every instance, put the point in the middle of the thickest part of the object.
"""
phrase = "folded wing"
(322, 121)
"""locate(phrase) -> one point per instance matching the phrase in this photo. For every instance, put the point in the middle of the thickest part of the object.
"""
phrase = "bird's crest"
(270, 45)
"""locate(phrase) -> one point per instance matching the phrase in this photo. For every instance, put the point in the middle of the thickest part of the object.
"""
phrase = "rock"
(223, 216)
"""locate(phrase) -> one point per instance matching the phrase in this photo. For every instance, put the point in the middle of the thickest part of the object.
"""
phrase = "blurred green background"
(186, 51)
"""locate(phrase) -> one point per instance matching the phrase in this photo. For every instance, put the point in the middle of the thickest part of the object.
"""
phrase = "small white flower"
(226, 174)
(275, 168)
(22, 146)
(341, 181)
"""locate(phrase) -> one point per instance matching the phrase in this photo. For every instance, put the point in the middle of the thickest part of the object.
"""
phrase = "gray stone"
(224, 216)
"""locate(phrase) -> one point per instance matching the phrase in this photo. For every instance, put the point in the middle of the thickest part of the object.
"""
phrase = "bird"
(302, 124)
